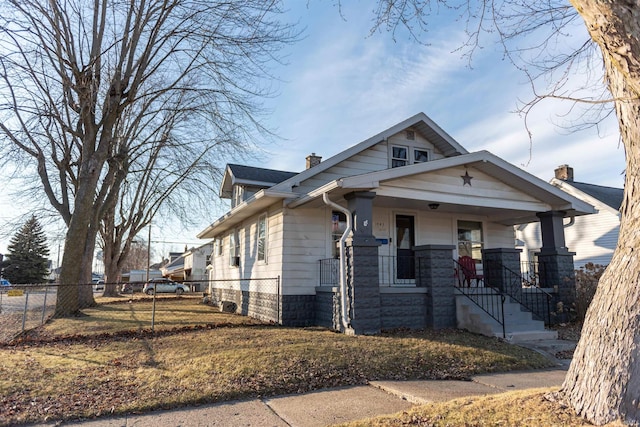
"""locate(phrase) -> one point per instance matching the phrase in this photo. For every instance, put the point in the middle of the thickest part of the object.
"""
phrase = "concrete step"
(524, 336)
(519, 324)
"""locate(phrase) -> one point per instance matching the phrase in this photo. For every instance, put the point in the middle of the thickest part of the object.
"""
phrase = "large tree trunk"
(603, 382)
(74, 258)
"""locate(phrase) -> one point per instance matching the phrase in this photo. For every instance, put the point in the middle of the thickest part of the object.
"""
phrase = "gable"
(443, 144)
(380, 156)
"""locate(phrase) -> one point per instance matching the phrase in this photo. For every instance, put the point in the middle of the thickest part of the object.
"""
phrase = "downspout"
(343, 262)
(572, 220)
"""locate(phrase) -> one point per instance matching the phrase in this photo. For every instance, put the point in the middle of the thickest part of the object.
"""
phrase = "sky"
(339, 85)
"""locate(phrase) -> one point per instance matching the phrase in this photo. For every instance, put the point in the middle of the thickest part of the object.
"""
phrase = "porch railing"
(397, 270)
(329, 272)
(491, 301)
(523, 289)
(392, 271)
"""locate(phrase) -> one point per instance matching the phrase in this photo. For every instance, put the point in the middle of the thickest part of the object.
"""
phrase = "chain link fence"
(25, 307)
(257, 298)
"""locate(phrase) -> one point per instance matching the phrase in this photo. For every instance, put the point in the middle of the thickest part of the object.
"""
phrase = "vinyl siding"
(375, 158)
(305, 237)
(593, 238)
(249, 266)
(449, 181)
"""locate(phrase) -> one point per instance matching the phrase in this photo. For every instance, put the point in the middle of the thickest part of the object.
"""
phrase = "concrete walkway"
(338, 405)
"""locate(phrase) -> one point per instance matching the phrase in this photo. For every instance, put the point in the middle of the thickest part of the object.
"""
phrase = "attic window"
(399, 156)
(420, 156)
(411, 135)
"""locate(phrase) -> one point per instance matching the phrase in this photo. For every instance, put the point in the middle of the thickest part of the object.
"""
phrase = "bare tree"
(77, 77)
(603, 381)
(164, 174)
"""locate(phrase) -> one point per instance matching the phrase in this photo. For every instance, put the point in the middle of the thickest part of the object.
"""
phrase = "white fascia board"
(572, 203)
(570, 189)
(463, 200)
(318, 192)
(242, 211)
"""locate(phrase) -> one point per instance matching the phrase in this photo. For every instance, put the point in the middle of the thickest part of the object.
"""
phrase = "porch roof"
(543, 196)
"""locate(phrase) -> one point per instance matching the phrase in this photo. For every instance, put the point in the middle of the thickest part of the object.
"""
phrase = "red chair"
(468, 267)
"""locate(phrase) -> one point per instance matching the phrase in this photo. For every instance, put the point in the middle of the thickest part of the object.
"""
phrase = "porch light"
(434, 206)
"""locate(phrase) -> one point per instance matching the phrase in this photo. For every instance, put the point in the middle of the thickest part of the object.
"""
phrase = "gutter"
(346, 322)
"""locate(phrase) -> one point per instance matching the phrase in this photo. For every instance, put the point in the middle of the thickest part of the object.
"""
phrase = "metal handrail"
(526, 293)
(490, 300)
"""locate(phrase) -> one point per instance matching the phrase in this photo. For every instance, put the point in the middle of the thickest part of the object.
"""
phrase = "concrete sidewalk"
(332, 406)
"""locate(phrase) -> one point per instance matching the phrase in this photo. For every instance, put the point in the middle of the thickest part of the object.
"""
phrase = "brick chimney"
(313, 160)
(565, 173)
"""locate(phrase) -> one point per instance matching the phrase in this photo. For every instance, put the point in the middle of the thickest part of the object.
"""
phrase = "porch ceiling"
(496, 214)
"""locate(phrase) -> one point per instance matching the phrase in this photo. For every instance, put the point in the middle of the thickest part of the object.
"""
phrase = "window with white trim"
(420, 156)
(238, 195)
(399, 156)
(261, 238)
(470, 241)
(408, 155)
(234, 248)
(218, 246)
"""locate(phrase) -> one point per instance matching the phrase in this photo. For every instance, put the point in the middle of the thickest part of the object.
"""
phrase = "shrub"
(587, 278)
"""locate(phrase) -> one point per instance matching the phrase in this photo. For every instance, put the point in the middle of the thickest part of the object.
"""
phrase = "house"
(189, 267)
(593, 238)
(370, 238)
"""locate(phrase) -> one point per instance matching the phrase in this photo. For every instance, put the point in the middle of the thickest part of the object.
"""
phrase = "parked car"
(98, 285)
(130, 287)
(5, 284)
(164, 286)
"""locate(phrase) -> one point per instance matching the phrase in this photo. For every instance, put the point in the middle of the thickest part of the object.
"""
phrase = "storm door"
(405, 241)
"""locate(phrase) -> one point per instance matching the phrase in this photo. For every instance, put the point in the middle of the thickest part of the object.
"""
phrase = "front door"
(405, 241)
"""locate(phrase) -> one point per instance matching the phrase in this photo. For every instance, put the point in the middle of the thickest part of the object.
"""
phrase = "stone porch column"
(555, 262)
(492, 262)
(434, 270)
(362, 266)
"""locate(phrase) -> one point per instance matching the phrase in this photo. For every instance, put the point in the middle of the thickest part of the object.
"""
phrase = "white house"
(190, 267)
(593, 238)
(369, 238)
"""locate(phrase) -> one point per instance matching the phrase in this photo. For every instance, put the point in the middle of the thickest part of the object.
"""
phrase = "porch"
(425, 290)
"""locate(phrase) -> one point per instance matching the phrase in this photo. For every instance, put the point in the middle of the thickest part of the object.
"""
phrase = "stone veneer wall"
(403, 308)
(287, 310)
(327, 306)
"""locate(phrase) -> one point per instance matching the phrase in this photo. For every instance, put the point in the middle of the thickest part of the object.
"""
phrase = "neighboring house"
(593, 238)
(418, 201)
(190, 267)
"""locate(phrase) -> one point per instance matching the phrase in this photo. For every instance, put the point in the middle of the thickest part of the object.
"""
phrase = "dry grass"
(113, 315)
(109, 362)
(534, 408)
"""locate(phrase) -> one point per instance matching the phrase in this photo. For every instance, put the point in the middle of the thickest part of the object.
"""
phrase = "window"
(402, 156)
(470, 239)
(338, 226)
(420, 156)
(399, 156)
(218, 246)
(262, 238)
(234, 248)
(238, 196)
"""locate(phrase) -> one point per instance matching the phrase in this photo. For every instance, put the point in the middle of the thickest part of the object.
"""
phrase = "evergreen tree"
(27, 260)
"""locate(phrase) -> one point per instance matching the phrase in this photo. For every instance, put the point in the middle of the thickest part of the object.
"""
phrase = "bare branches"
(543, 39)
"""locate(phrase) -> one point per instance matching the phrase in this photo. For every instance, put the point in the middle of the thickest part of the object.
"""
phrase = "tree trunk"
(603, 382)
(74, 258)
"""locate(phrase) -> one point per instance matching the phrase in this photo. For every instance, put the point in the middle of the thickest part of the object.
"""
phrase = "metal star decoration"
(466, 178)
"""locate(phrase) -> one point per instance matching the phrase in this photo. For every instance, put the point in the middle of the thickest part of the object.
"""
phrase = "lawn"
(110, 362)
